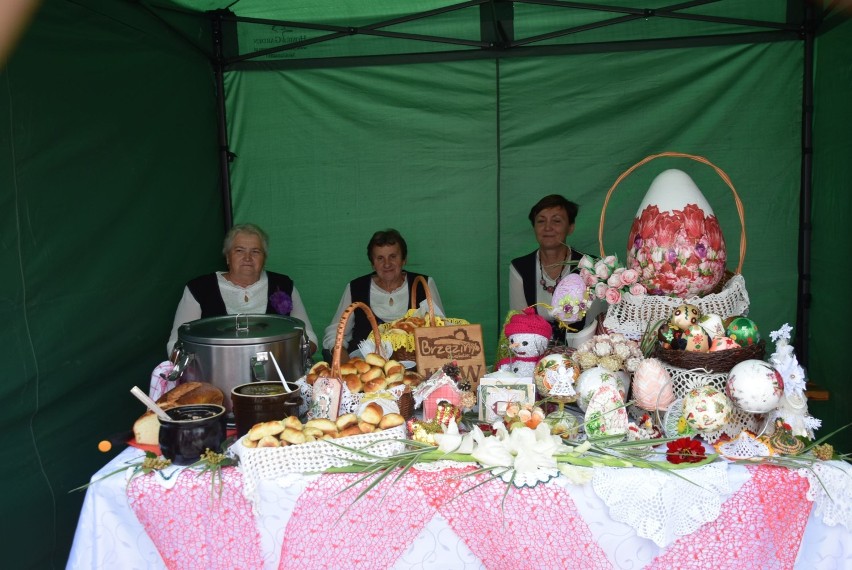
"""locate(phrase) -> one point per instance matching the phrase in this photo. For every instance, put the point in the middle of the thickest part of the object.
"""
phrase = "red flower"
(685, 450)
(714, 233)
(646, 222)
(667, 227)
(693, 220)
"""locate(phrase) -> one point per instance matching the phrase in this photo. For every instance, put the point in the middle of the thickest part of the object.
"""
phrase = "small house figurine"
(438, 390)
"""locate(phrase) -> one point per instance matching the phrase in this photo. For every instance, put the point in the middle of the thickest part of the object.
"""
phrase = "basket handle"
(341, 331)
(700, 159)
(420, 280)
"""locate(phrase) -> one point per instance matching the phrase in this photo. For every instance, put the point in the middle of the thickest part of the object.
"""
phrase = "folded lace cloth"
(831, 492)
(663, 506)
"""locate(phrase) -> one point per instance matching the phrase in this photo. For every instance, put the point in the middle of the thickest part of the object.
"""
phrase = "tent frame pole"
(225, 154)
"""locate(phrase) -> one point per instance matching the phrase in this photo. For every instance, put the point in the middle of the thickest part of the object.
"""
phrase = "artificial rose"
(612, 296)
(600, 290)
(602, 271)
(693, 221)
(629, 277)
(615, 280)
(637, 289)
(589, 278)
(667, 227)
(610, 261)
(586, 263)
(685, 450)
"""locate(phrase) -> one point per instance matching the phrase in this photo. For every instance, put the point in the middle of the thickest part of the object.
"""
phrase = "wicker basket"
(721, 361)
(632, 314)
(403, 343)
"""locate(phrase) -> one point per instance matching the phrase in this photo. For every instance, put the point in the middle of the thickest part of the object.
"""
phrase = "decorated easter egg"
(605, 415)
(744, 331)
(712, 325)
(706, 408)
(571, 299)
(755, 386)
(723, 343)
(675, 242)
(593, 378)
(652, 386)
(696, 339)
(684, 316)
(551, 369)
(671, 337)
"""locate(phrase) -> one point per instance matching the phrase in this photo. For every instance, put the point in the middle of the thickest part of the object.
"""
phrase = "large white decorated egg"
(706, 408)
(593, 378)
(652, 386)
(606, 414)
(675, 242)
(552, 368)
(755, 386)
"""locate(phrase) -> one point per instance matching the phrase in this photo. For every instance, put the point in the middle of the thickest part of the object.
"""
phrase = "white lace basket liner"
(632, 315)
(267, 463)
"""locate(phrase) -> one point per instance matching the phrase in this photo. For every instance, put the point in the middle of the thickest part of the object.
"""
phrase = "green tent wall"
(111, 197)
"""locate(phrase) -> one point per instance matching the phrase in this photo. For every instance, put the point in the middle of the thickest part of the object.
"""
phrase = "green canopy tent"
(137, 131)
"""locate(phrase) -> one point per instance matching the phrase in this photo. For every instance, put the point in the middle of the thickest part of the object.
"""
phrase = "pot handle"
(181, 357)
(306, 353)
(258, 372)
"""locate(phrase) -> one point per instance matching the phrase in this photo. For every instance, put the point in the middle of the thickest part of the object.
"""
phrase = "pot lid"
(241, 329)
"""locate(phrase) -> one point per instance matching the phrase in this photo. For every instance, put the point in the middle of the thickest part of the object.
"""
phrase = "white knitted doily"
(831, 491)
(663, 506)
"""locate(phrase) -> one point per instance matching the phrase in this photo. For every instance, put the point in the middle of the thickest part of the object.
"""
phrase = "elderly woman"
(533, 277)
(245, 288)
(385, 290)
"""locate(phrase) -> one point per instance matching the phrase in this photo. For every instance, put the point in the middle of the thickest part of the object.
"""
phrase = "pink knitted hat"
(528, 322)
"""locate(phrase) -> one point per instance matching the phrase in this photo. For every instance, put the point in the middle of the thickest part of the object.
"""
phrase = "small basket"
(406, 404)
(721, 361)
(403, 343)
(729, 298)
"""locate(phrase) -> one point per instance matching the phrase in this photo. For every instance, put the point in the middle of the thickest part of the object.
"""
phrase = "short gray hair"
(245, 229)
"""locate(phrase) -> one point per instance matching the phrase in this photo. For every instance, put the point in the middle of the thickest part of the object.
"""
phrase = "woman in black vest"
(245, 288)
(385, 291)
(533, 277)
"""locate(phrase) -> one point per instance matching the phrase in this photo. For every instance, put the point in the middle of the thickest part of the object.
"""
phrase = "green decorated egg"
(744, 331)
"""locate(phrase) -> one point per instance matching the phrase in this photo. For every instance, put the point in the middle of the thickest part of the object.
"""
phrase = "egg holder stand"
(632, 314)
(350, 401)
(403, 343)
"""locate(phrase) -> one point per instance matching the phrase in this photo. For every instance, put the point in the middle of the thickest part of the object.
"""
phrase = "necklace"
(542, 282)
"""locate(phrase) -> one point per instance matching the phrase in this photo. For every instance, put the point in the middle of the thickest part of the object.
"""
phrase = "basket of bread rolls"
(400, 333)
(271, 449)
(364, 377)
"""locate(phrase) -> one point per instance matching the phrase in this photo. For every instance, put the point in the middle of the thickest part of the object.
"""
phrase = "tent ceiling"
(317, 33)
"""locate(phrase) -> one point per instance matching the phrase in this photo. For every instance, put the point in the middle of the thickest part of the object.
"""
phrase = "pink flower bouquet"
(608, 280)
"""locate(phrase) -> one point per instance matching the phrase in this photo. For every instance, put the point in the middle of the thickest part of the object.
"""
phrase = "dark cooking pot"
(258, 402)
(191, 430)
(235, 349)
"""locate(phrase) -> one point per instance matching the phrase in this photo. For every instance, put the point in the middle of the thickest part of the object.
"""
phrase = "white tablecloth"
(109, 536)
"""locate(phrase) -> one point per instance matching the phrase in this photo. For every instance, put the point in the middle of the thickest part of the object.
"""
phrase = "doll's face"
(527, 344)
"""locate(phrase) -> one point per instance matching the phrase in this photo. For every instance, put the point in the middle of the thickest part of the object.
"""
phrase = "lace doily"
(744, 446)
(632, 315)
(663, 506)
(436, 466)
(831, 492)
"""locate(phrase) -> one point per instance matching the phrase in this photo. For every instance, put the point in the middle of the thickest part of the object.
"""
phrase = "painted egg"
(755, 386)
(570, 300)
(675, 242)
(712, 325)
(744, 331)
(606, 414)
(684, 317)
(723, 343)
(551, 369)
(706, 408)
(652, 386)
(670, 337)
(696, 339)
(593, 378)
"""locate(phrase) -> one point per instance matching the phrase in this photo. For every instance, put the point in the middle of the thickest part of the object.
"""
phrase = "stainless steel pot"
(235, 349)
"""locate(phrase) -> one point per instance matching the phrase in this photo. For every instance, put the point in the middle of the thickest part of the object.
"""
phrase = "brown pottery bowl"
(258, 402)
(191, 430)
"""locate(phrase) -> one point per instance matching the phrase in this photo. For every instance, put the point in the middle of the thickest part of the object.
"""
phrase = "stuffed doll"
(528, 335)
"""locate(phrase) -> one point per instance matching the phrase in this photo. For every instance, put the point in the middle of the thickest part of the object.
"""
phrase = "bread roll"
(249, 443)
(393, 379)
(261, 430)
(361, 366)
(348, 368)
(412, 378)
(353, 382)
(374, 359)
(366, 427)
(292, 422)
(319, 366)
(294, 436)
(395, 369)
(324, 425)
(373, 386)
(346, 420)
(391, 421)
(313, 432)
(372, 413)
(372, 374)
(351, 430)
(268, 441)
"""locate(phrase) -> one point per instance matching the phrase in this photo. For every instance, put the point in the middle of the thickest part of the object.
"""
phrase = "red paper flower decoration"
(685, 450)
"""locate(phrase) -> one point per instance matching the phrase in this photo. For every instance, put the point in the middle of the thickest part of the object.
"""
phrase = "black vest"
(205, 289)
(359, 289)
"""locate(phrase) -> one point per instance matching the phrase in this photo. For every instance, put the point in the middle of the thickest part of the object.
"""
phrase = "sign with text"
(436, 346)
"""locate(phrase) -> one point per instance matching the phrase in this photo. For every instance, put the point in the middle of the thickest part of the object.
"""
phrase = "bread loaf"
(146, 430)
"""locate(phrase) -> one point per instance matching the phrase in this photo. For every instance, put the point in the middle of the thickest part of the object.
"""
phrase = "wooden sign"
(436, 346)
